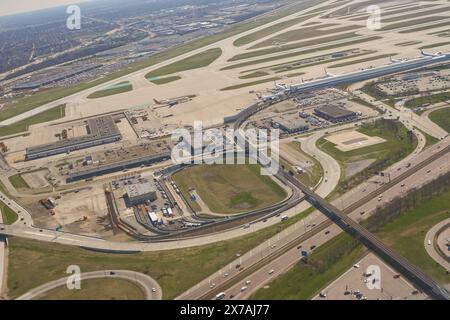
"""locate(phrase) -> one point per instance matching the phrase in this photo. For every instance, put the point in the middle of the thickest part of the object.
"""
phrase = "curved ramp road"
(431, 242)
(150, 287)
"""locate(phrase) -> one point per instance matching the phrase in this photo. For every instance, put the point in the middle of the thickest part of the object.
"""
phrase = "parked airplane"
(327, 74)
(430, 54)
(173, 101)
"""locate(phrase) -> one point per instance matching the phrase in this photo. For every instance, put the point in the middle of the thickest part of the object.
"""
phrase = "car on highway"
(271, 271)
(243, 288)
(312, 247)
(153, 290)
(327, 232)
(220, 296)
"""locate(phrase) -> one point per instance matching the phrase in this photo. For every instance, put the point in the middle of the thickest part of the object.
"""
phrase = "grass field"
(255, 74)
(305, 33)
(98, 289)
(252, 83)
(168, 268)
(199, 60)
(412, 23)
(349, 63)
(438, 25)
(252, 37)
(116, 89)
(442, 118)
(399, 143)
(9, 216)
(165, 80)
(230, 189)
(431, 99)
(18, 182)
(434, 45)
(22, 126)
(429, 140)
(405, 234)
(293, 54)
(298, 45)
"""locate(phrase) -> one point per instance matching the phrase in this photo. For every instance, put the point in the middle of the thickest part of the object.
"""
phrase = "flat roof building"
(101, 130)
(290, 124)
(140, 193)
(335, 113)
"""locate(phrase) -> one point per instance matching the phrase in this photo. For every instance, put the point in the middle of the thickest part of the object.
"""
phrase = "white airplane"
(282, 86)
(393, 60)
(430, 54)
(327, 74)
(172, 102)
(265, 98)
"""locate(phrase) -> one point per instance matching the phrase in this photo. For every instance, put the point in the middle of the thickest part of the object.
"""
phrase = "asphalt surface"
(147, 284)
(2, 262)
(431, 236)
(282, 264)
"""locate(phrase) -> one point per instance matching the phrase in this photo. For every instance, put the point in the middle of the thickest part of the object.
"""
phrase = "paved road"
(3, 258)
(430, 248)
(145, 283)
(313, 221)
(137, 75)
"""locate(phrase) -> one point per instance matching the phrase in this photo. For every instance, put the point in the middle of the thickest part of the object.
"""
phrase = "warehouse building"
(290, 124)
(101, 130)
(335, 114)
(140, 193)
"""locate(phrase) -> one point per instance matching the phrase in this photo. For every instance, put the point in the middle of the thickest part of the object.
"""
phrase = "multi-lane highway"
(280, 254)
(2, 261)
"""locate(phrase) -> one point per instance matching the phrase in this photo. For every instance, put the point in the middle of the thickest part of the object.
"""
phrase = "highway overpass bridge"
(411, 272)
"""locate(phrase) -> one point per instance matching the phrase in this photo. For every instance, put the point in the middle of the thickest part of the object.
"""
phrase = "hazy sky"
(8, 7)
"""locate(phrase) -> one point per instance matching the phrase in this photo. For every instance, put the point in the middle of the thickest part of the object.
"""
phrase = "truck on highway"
(284, 218)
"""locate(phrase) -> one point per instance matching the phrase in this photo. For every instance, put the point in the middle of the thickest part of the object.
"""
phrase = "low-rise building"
(290, 124)
(140, 193)
(335, 113)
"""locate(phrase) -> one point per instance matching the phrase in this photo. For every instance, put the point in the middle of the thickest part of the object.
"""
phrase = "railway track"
(241, 276)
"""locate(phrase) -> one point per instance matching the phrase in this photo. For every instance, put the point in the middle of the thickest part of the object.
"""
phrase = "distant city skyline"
(10, 7)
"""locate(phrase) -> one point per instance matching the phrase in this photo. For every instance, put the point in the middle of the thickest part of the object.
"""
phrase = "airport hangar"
(101, 130)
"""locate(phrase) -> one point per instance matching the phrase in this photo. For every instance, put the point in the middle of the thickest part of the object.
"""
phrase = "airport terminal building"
(101, 130)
